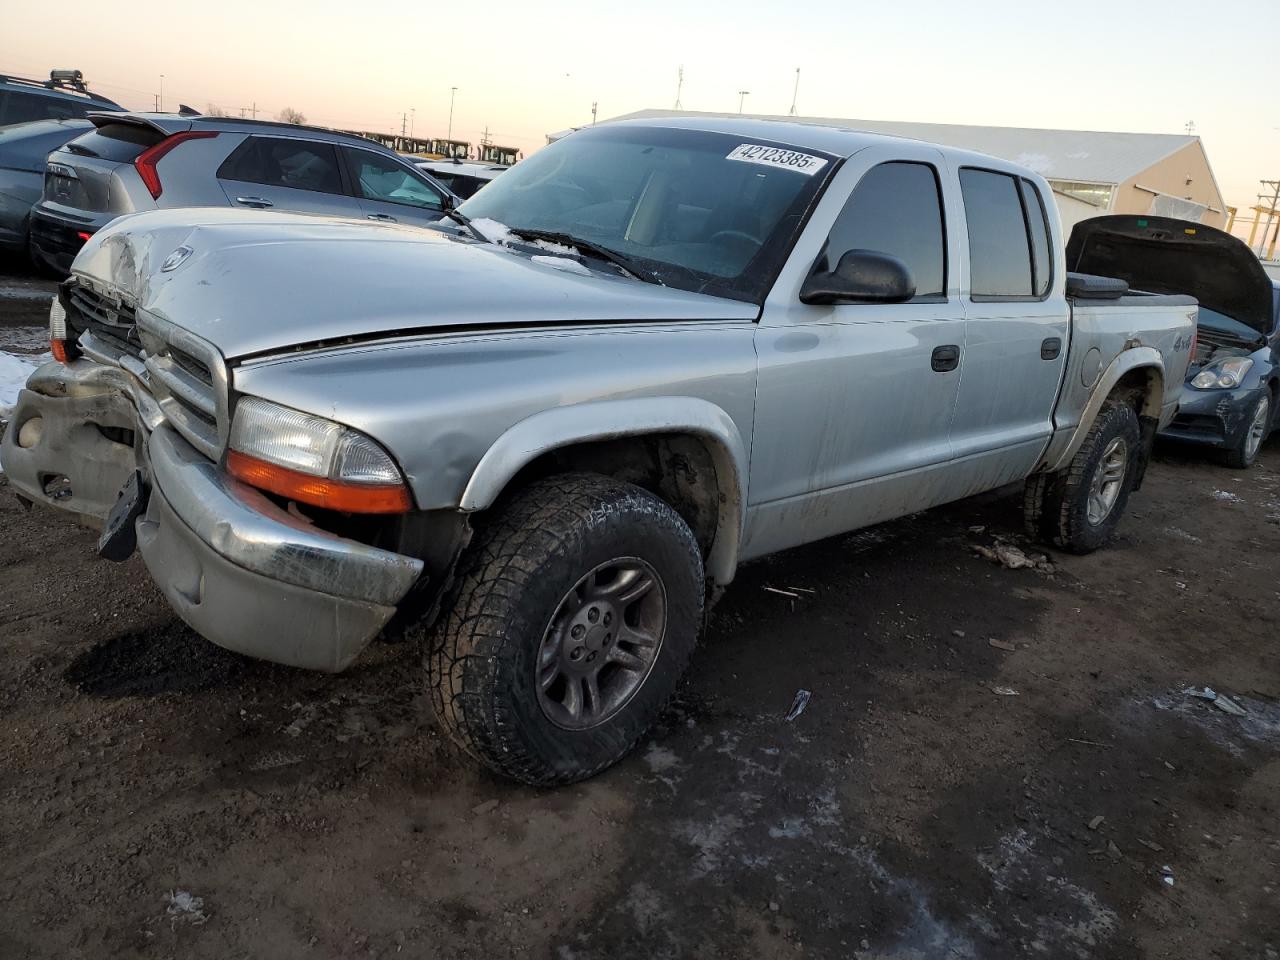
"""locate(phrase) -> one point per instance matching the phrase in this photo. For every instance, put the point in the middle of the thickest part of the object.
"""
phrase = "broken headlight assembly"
(1222, 374)
(313, 460)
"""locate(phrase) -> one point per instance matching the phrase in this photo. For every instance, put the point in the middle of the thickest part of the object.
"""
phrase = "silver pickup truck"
(541, 439)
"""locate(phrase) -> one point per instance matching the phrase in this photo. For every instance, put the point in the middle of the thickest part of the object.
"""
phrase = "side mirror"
(446, 202)
(862, 276)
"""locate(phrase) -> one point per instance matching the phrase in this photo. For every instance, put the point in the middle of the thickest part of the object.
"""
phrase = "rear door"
(287, 173)
(392, 191)
(1016, 326)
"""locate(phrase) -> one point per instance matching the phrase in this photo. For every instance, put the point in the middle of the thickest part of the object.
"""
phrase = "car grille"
(108, 319)
(185, 375)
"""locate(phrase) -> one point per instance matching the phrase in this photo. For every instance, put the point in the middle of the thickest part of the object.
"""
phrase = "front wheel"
(1079, 508)
(577, 609)
(1245, 452)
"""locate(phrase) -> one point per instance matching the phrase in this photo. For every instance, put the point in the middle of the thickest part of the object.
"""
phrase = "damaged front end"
(136, 419)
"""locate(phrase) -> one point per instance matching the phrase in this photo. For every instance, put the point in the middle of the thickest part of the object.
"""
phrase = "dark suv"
(36, 117)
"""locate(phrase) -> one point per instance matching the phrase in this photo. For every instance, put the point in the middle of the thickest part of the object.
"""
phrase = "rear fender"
(1145, 359)
(613, 419)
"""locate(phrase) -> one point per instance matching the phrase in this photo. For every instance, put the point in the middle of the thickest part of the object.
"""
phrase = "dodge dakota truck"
(541, 440)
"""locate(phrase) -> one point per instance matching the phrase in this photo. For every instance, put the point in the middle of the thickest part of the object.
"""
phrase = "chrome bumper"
(252, 578)
(238, 569)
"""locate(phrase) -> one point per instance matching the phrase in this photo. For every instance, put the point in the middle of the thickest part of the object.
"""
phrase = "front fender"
(612, 419)
(1147, 359)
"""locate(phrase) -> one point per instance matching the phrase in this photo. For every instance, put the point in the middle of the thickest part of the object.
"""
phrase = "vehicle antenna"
(794, 93)
(679, 87)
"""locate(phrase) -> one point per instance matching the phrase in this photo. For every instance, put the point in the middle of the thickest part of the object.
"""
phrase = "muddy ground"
(162, 798)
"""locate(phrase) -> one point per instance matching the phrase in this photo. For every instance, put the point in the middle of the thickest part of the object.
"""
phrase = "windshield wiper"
(465, 221)
(623, 263)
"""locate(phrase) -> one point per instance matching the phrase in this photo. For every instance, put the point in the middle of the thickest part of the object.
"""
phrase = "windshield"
(700, 211)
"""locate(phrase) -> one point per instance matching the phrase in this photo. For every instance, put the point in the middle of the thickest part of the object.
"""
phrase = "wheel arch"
(1137, 374)
(668, 445)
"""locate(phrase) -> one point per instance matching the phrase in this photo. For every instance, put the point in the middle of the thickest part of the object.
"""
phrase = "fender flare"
(598, 420)
(1135, 358)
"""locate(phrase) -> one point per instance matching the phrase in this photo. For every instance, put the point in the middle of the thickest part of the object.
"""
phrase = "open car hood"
(1163, 255)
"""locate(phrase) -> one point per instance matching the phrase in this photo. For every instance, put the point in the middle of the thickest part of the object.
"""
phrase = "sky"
(526, 69)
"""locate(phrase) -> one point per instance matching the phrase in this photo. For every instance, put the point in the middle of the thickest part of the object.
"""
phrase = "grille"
(107, 319)
(185, 376)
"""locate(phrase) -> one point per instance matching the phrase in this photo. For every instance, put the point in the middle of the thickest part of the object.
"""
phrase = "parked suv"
(36, 117)
(64, 96)
(145, 161)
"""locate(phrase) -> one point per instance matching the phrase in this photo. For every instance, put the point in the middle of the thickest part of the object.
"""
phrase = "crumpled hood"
(257, 282)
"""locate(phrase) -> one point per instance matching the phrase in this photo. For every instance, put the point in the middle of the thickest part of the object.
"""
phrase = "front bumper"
(240, 570)
(1217, 418)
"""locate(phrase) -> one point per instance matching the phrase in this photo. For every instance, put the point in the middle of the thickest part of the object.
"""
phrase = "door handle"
(382, 217)
(1050, 347)
(945, 358)
(258, 202)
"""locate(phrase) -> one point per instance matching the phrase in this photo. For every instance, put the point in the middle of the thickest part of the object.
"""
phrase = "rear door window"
(999, 239)
(285, 162)
(896, 208)
(383, 179)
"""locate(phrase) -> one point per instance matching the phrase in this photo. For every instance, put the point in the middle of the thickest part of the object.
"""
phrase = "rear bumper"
(1216, 418)
(240, 570)
(55, 241)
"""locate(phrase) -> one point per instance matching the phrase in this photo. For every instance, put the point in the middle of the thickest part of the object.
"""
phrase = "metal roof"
(1085, 155)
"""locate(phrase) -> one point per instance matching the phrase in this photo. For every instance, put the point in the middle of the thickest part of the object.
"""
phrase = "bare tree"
(290, 115)
(213, 110)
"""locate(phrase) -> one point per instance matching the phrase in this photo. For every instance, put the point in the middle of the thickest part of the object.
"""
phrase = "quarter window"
(379, 178)
(279, 162)
(896, 209)
(1008, 236)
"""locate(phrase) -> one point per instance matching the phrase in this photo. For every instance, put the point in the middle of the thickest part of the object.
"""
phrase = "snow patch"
(562, 263)
(494, 231)
(14, 371)
(184, 907)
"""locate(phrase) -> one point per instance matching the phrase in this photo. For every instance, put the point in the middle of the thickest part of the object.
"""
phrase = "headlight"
(1222, 374)
(313, 460)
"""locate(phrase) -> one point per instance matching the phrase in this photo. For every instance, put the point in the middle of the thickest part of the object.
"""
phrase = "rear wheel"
(576, 611)
(1079, 508)
(1245, 452)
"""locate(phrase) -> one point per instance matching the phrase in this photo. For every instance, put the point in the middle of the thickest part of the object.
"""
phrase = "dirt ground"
(162, 798)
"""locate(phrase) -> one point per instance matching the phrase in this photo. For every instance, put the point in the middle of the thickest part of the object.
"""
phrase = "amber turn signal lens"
(319, 491)
(59, 350)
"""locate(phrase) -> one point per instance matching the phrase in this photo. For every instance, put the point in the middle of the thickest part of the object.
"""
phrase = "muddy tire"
(574, 614)
(1258, 427)
(1079, 508)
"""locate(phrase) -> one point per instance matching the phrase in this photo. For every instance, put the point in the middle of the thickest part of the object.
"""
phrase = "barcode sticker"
(777, 157)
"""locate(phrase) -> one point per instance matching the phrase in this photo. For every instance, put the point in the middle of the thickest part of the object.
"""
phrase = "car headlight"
(313, 460)
(1222, 374)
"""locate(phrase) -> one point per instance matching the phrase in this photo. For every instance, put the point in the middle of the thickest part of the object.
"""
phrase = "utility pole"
(404, 123)
(413, 115)
(252, 110)
(794, 93)
(1271, 209)
(1191, 128)
(679, 87)
(594, 106)
(160, 98)
(453, 92)
(742, 95)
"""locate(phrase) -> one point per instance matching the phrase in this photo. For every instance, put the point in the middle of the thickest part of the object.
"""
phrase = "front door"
(854, 401)
(389, 191)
